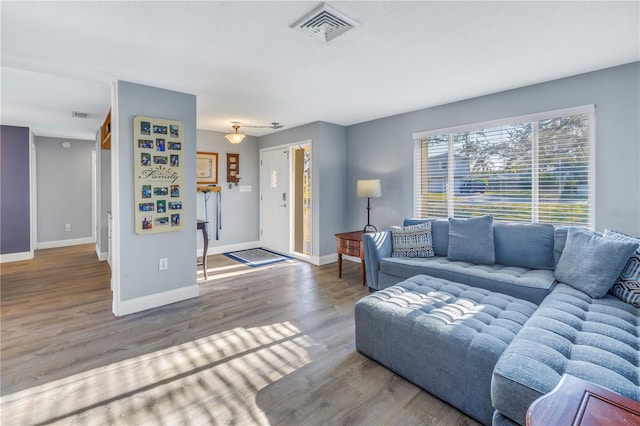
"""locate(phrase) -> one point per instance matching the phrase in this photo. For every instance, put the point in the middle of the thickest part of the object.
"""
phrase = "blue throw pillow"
(528, 245)
(627, 286)
(412, 241)
(471, 240)
(591, 263)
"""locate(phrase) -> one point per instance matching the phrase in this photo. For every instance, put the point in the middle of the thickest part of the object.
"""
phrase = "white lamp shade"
(368, 188)
(234, 137)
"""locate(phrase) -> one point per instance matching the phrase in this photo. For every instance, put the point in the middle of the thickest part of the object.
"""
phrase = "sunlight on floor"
(224, 268)
(213, 379)
(214, 275)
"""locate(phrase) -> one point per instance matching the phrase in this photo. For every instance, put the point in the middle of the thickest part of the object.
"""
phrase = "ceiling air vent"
(325, 23)
(77, 114)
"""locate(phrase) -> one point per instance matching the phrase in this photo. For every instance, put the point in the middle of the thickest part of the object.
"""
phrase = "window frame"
(589, 110)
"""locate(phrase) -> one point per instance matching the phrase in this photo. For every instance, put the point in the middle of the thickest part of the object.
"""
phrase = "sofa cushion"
(471, 240)
(523, 283)
(529, 245)
(412, 241)
(377, 245)
(597, 340)
(439, 233)
(627, 286)
(560, 239)
(443, 336)
(591, 263)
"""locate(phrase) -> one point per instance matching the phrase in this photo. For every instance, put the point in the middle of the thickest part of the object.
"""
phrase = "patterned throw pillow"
(627, 286)
(412, 241)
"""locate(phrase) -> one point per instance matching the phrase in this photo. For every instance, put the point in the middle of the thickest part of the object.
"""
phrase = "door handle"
(283, 205)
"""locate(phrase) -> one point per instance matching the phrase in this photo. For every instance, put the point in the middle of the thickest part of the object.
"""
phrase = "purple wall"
(15, 215)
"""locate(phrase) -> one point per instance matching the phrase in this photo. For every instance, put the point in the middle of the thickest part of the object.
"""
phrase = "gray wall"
(384, 148)
(240, 210)
(138, 255)
(15, 210)
(328, 168)
(63, 179)
(332, 158)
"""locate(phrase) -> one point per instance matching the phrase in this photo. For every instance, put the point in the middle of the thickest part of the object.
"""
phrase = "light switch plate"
(163, 264)
(245, 188)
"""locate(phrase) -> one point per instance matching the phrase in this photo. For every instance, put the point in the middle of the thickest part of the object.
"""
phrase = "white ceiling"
(245, 64)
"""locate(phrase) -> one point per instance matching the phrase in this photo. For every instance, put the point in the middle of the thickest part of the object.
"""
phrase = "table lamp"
(368, 188)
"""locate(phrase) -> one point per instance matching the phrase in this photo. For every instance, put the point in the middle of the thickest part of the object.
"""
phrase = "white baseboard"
(301, 257)
(65, 243)
(155, 300)
(102, 256)
(324, 260)
(230, 247)
(16, 257)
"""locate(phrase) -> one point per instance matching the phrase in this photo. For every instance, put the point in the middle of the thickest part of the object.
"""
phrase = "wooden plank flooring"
(264, 346)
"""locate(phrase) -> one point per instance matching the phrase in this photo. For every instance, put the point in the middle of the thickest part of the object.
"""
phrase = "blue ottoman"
(443, 336)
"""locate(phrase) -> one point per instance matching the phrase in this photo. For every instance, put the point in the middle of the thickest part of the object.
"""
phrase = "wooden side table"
(581, 403)
(350, 243)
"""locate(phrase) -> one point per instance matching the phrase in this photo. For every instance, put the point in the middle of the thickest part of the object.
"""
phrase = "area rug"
(256, 257)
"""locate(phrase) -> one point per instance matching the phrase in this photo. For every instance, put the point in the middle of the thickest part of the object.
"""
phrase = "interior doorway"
(274, 200)
(301, 200)
(286, 199)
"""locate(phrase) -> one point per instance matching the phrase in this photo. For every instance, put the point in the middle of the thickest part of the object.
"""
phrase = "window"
(537, 168)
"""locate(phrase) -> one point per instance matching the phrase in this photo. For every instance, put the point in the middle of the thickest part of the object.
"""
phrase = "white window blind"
(537, 168)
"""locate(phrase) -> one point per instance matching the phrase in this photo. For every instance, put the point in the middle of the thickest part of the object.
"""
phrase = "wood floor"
(263, 346)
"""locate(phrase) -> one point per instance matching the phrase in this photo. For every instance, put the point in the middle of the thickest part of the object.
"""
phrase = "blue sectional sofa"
(597, 340)
(491, 338)
(525, 258)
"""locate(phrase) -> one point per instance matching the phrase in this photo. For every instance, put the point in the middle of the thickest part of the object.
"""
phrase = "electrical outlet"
(67, 227)
(163, 264)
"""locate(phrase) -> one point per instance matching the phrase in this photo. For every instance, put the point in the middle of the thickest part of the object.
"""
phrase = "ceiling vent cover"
(325, 23)
(77, 114)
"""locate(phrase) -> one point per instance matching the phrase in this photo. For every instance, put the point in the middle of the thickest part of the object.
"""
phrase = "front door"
(274, 200)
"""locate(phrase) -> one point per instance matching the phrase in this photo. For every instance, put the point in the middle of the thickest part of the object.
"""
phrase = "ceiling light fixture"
(235, 137)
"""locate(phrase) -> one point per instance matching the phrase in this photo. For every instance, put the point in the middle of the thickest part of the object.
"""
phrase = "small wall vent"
(325, 23)
(77, 114)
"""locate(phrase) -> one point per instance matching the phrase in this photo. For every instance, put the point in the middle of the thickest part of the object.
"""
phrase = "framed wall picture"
(158, 174)
(207, 168)
(233, 168)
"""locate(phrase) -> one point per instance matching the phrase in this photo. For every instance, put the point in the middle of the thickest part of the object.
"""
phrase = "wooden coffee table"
(581, 403)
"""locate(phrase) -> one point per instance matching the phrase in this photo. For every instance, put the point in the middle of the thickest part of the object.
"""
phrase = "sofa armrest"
(377, 245)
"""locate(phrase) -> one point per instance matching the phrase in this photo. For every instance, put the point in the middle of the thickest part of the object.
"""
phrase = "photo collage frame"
(158, 147)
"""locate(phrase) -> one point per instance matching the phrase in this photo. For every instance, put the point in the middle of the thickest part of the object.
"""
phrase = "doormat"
(256, 257)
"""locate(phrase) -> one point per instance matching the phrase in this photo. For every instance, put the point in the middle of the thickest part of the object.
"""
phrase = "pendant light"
(235, 137)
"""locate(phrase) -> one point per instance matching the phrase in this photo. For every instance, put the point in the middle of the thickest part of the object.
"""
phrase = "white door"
(274, 199)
